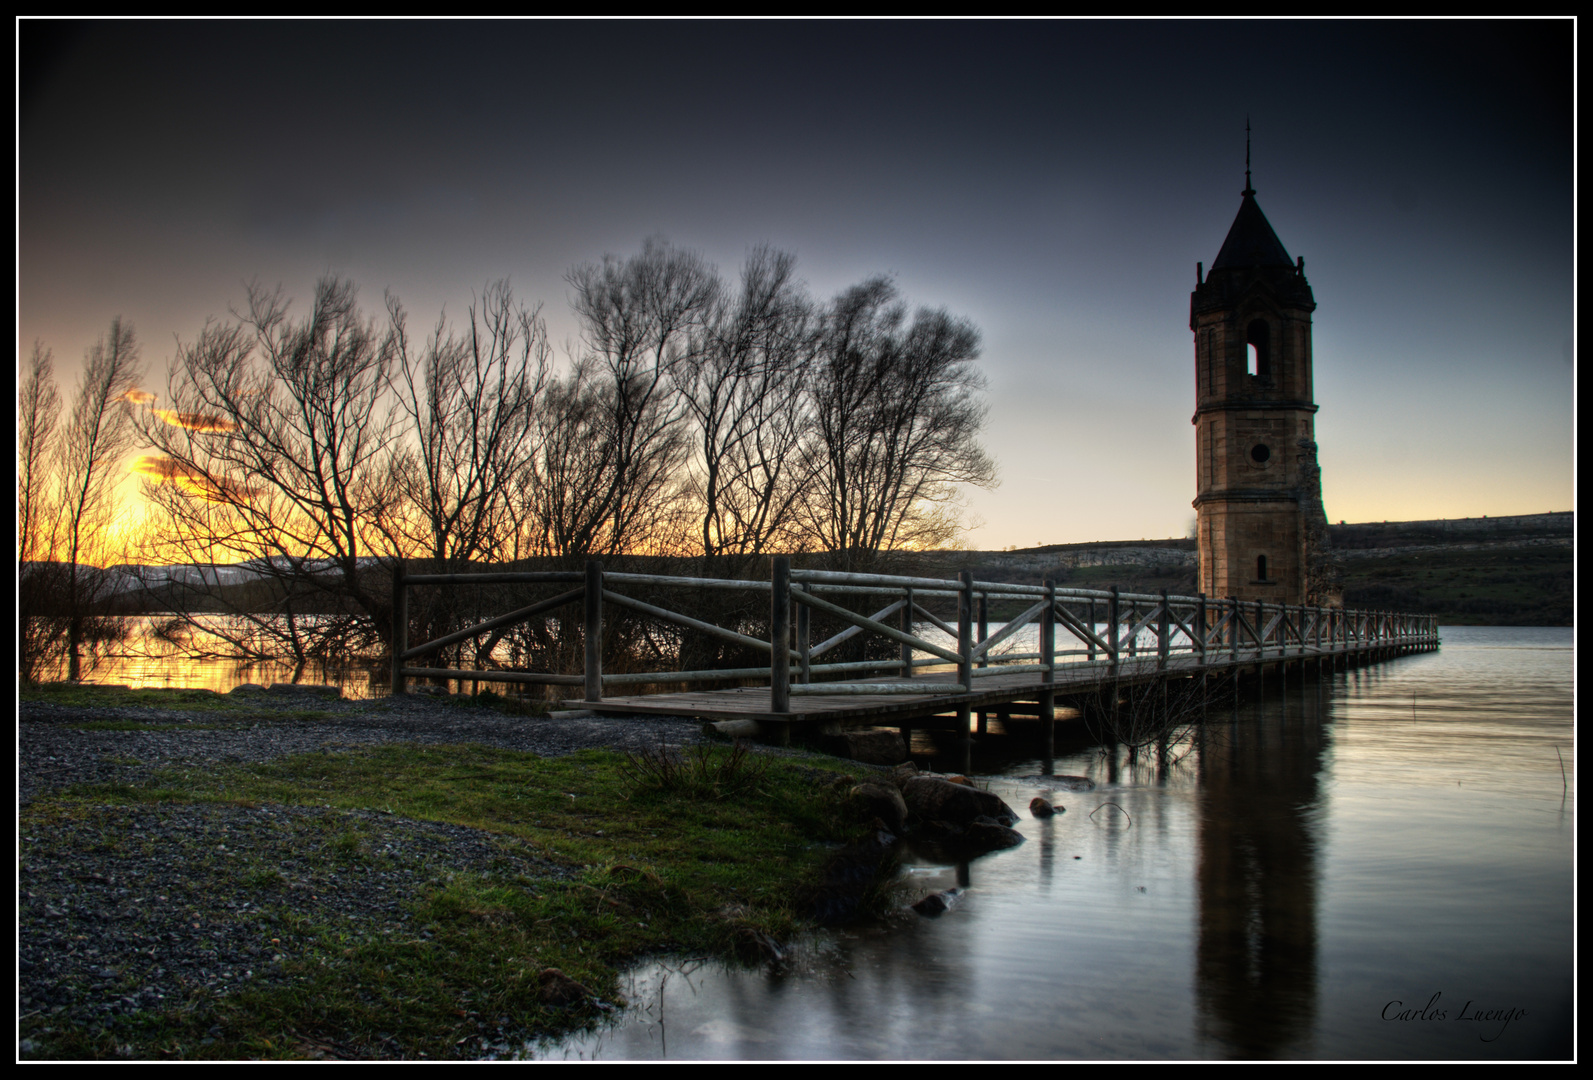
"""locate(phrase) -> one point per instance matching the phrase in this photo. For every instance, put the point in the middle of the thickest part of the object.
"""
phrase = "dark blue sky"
(1054, 181)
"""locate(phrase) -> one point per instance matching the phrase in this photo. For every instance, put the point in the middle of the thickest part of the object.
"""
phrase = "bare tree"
(561, 500)
(742, 387)
(471, 400)
(638, 319)
(41, 631)
(97, 436)
(278, 454)
(897, 414)
(38, 408)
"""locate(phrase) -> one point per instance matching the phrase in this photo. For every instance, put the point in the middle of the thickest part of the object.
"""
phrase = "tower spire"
(1248, 191)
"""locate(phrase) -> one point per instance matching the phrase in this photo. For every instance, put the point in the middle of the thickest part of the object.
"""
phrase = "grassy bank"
(708, 859)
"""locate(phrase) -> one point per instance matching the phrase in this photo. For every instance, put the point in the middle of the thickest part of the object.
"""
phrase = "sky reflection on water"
(1325, 853)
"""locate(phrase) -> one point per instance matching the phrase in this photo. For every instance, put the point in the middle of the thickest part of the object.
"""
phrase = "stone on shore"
(932, 798)
(903, 773)
(883, 801)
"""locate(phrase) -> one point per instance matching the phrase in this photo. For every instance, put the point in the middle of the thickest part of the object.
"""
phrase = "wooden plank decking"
(1072, 681)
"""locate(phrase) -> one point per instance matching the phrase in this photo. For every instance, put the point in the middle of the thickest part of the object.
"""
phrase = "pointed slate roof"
(1251, 241)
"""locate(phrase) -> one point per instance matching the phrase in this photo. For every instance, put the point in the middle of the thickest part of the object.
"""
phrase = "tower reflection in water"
(1256, 953)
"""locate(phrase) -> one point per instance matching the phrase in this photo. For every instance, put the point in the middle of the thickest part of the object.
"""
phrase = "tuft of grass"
(712, 864)
(266, 878)
(702, 772)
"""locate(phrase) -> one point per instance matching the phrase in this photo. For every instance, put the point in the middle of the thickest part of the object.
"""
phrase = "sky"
(1053, 181)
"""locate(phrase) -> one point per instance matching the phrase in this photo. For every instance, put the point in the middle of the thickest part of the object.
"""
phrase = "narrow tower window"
(1250, 359)
(1258, 339)
(1261, 568)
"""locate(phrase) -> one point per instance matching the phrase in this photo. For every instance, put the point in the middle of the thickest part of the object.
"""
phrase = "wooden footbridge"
(1083, 641)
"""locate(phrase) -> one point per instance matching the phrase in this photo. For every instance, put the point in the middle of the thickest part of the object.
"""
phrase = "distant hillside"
(1509, 571)
(1528, 529)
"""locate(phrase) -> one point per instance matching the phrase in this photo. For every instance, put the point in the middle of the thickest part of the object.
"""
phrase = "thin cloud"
(195, 421)
(138, 397)
(166, 470)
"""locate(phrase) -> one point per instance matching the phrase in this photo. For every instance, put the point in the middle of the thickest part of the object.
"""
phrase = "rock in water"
(934, 799)
(936, 903)
(1040, 808)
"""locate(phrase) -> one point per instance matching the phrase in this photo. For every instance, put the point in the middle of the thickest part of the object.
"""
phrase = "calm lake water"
(144, 664)
(1377, 865)
(1357, 867)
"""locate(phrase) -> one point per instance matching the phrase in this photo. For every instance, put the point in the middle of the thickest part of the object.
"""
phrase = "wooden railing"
(1103, 630)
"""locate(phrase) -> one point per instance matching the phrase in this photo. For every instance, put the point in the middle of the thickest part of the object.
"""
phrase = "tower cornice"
(1249, 495)
(1254, 405)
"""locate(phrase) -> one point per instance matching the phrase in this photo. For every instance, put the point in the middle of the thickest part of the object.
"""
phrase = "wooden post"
(907, 628)
(1112, 646)
(1200, 623)
(1111, 629)
(1048, 677)
(984, 658)
(1163, 634)
(1261, 650)
(804, 634)
(1233, 633)
(965, 612)
(400, 626)
(1316, 636)
(780, 636)
(594, 630)
(1089, 646)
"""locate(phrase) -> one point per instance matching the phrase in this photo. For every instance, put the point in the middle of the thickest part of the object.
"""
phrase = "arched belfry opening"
(1258, 347)
(1259, 489)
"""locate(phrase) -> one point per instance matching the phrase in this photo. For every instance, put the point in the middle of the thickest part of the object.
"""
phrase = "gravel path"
(128, 908)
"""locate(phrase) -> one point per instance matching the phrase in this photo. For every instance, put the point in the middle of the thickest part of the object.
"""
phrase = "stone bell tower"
(1262, 528)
